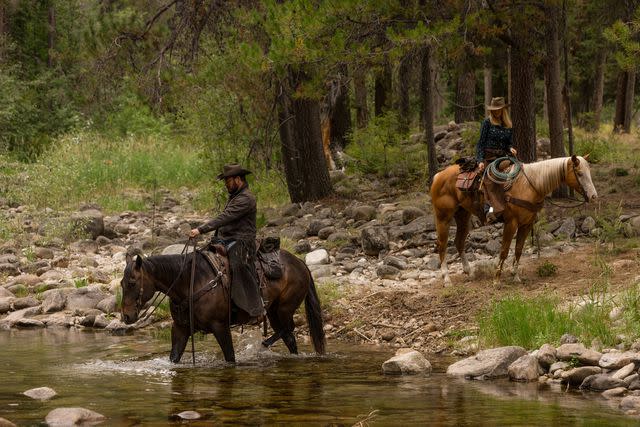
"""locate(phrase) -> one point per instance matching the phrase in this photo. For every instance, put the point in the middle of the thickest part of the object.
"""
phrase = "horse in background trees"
(524, 199)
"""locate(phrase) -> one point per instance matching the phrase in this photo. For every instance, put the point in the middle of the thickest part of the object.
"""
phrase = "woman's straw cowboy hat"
(233, 170)
(497, 104)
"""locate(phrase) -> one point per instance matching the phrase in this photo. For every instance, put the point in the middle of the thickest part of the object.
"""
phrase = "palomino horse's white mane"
(546, 175)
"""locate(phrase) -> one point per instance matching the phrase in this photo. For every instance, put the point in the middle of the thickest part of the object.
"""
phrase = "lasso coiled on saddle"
(504, 178)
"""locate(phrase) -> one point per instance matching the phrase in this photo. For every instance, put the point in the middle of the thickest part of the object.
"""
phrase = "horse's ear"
(138, 261)
(575, 160)
(586, 156)
(128, 258)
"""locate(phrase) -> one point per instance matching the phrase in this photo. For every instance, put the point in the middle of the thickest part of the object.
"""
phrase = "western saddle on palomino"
(268, 267)
(483, 187)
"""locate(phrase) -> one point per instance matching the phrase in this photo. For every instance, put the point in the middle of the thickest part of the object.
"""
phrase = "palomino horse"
(211, 307)
(525, 198)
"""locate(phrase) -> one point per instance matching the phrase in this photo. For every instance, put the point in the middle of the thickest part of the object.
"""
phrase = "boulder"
(616, 359)
(600, 382)
(72, 416)
(577, 351)
(54, 300)
(317, 257)
(91, 221)
(40, 393)
(624, 372)
(409, 362)
(547, 355)
(525, 368)
(492, 363)
(374, 240)
(576, 376)
(630, 403)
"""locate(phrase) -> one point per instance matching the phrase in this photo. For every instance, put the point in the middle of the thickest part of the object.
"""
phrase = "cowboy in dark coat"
(236, 230)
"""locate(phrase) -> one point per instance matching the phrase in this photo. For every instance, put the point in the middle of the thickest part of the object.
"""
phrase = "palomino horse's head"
(137, 289)
(579, 177)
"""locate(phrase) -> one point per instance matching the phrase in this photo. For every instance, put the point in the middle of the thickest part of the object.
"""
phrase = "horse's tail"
(314, 317)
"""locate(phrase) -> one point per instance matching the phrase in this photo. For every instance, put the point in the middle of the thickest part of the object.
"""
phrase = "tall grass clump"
(528, 323)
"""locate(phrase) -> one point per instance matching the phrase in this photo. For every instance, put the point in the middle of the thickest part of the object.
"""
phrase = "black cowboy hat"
(233, 170)
(497, 104)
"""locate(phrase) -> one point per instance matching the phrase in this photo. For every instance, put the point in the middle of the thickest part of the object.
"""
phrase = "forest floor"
(434, 318)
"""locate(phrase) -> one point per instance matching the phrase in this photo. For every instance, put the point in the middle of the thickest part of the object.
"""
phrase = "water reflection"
(130, 380)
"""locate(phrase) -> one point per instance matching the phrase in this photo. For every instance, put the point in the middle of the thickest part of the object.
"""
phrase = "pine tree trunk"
(301, 138)
(341, 116)
(553, 84)
(360, 94)
(426, 114)
(404, 71)
(598, 93)
(522, 106)
(465, 97)
(628, 100)
(51, 39)
(621, 91)
(383, 90)
(488, 88)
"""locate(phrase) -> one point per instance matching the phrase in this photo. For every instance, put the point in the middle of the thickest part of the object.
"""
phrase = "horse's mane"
(166, 265)
(546, 175)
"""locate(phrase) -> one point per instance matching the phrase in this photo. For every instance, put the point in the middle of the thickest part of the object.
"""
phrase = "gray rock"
(90, 220)
(177, 249)
(9, 269)
(624, 372)
(84, 298)
(600, 382)
(40, 393)
(631, 378)
(9, 259)
(321, 271)
(20, 303)
(630, 403)
(567, 228)
(587, 225)
(410, 213)
(317, 257)
(43, 253)
(576, 376)
(614, 392)
(316, 225)
(189, 415)
(374, 240)
(547, 355)
(107, 305)
(325, 232)
(414, 228)
(54, 300)
(493, 246)
(568, 352)
(409, 362)
(5, 293)
(72, 416)
(362, 213)
(558, 366)
(492, 363)
(294, 233)
(525, 368)
(616, 360)
(568, 339)
(338, 236)
(29, 323)
(396, 262)
(6, 304)
(302, 247)
(387, 272)
(292, 209)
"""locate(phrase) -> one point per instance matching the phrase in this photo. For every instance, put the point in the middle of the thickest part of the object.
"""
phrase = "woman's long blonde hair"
(504, 120)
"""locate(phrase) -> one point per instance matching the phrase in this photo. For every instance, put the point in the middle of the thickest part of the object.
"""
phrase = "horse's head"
(579, 177)
(137, 289)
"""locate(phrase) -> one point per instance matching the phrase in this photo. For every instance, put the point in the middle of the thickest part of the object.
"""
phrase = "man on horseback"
(496, 140)
(236, 229)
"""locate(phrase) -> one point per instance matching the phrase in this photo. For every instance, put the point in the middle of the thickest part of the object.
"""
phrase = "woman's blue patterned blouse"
(493, 137)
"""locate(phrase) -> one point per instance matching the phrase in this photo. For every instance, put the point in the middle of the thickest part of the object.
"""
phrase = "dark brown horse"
(170, 274)
(524, 199)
